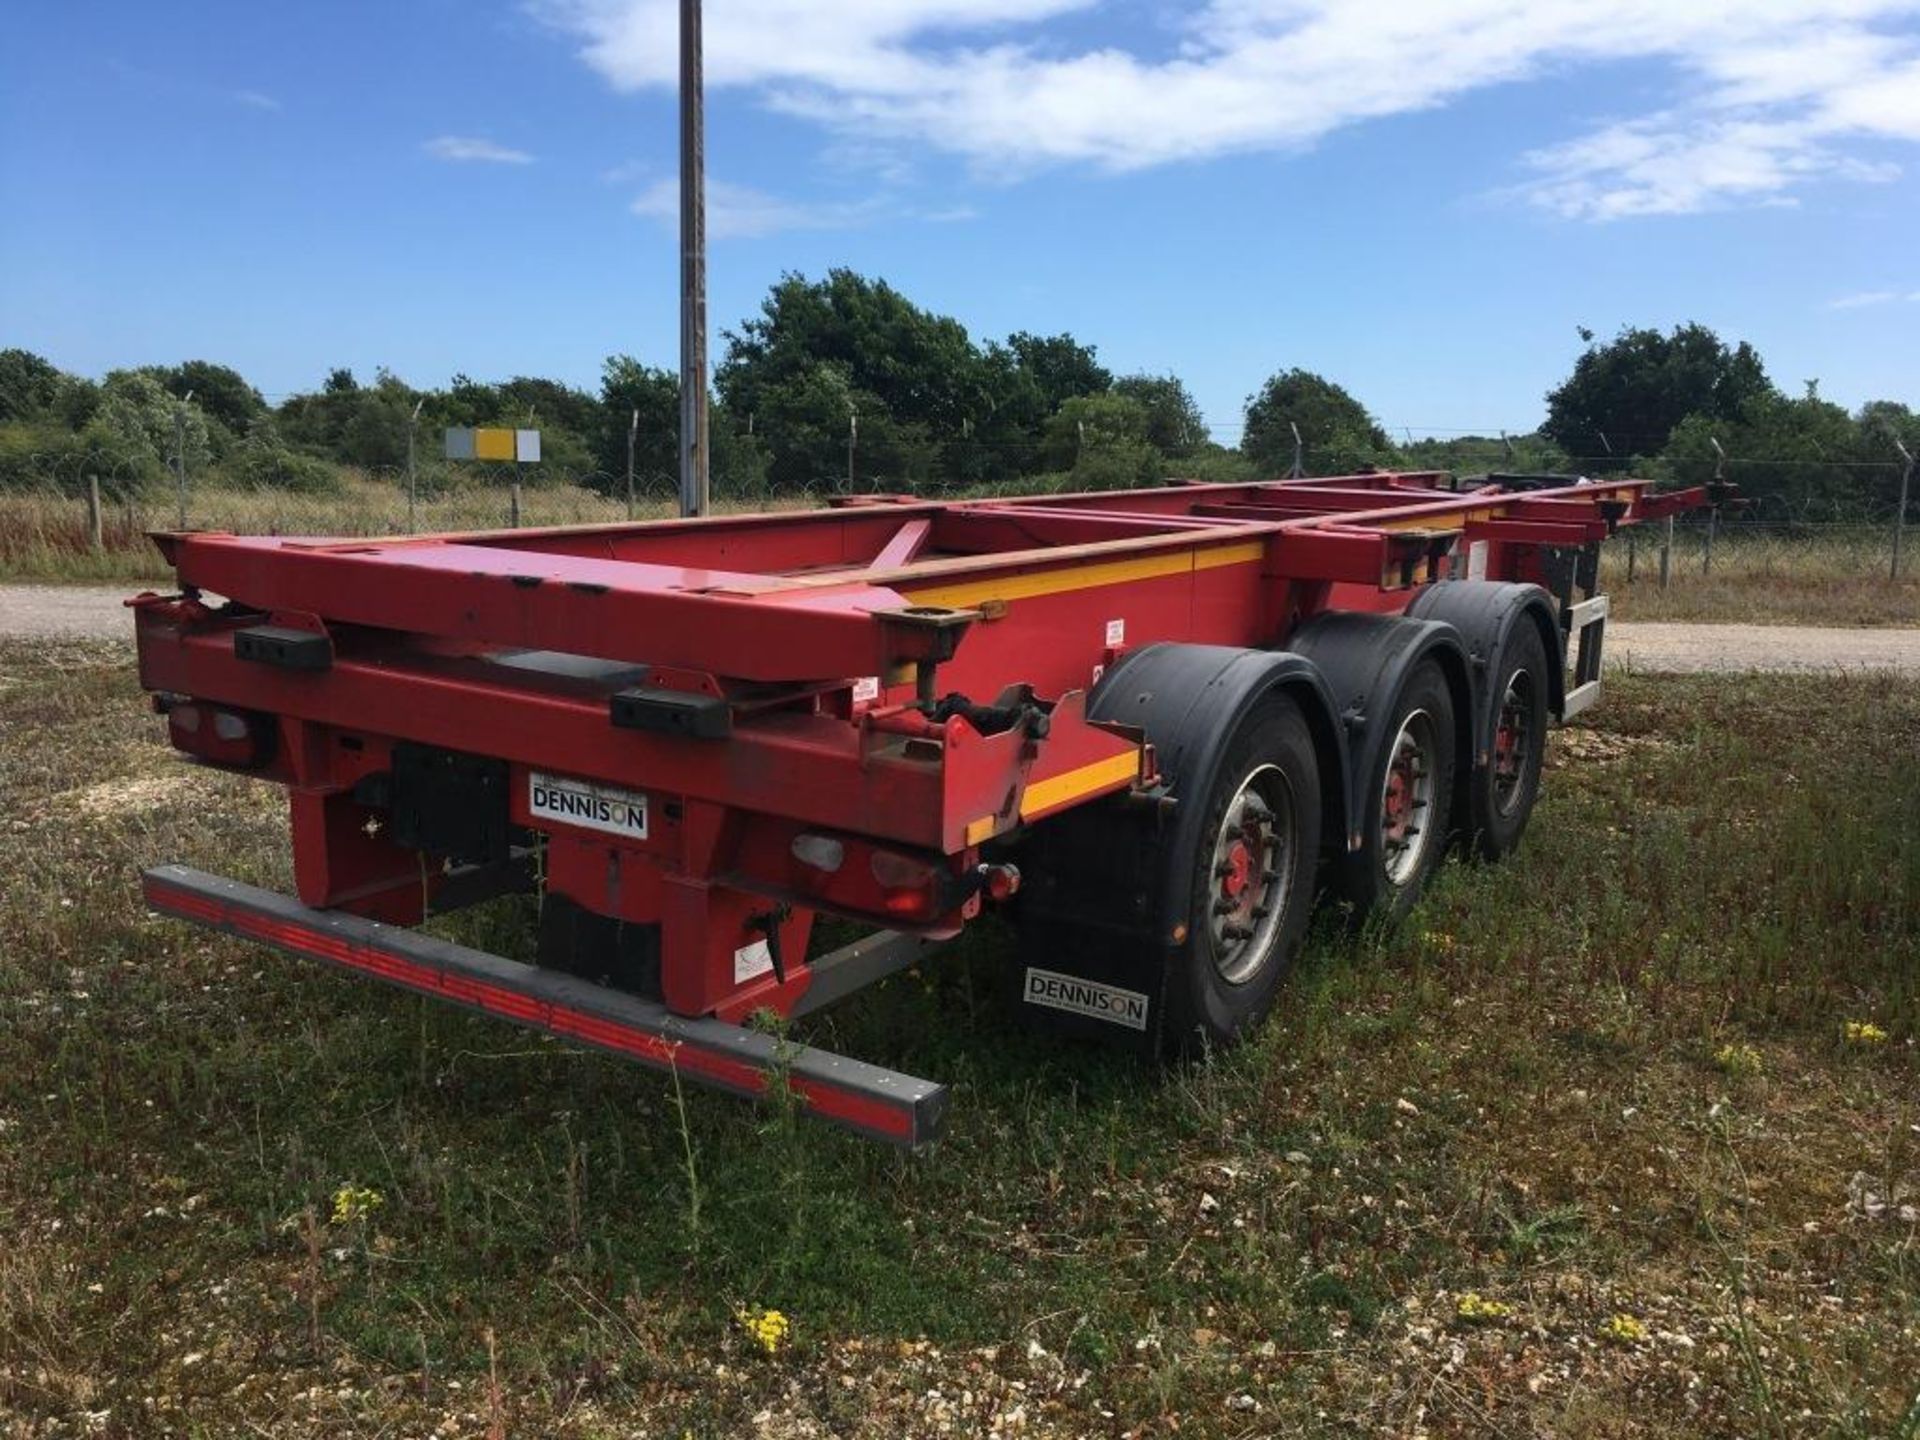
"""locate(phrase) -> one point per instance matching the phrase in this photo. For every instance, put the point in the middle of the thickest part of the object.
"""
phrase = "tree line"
(843, 381)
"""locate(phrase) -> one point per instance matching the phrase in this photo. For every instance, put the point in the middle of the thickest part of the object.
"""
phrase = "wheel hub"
(1251, 874)
(1406, 798)
(1513, 741)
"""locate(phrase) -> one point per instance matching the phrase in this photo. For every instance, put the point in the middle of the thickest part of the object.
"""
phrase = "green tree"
(1625, 397)
(29, 385)
(1092, 422)
(1175, 426)
(550, 406)
(1532, 454)
(1059, 366)
(626, 386)
(133, 433)
(822, 351)
(219, 390)
(1339, 434)
(918, 365)
(1799, 459)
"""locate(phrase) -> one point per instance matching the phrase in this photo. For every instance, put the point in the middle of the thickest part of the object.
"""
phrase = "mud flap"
(1090, 964)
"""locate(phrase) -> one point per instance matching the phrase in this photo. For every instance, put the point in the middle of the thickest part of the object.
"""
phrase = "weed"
(1095, 1248)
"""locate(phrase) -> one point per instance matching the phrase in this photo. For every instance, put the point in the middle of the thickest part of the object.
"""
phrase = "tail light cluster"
(913, 889)
(221, 734)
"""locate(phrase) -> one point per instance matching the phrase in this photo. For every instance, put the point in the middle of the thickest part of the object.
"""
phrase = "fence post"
(633, 429)
(413, 486)
(513, 506)
(1666, 555)
(1900, 515)
(1633, 553)
(180, 454)
(1713, 510)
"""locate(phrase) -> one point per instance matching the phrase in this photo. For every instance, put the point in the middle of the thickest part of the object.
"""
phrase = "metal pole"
(633, 429)
(180, 455)
(1900, 515)
(1298, 468)
(1633, 553)
(1666, 554)
(853, 438)
(412, 483)
(1713, 510)
(94, 528)
(693, 268)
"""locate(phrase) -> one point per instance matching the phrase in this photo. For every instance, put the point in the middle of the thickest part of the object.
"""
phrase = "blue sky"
(1421, 200)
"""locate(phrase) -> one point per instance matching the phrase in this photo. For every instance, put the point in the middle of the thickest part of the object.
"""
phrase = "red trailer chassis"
(701, 734)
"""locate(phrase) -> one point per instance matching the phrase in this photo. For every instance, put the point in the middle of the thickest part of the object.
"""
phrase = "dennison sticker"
(1086, 997)
(579, 802)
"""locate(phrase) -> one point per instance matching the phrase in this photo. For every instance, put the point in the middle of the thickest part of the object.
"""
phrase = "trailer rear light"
(819, 852)
(909, 888)
(221, 734)
(1000, 882)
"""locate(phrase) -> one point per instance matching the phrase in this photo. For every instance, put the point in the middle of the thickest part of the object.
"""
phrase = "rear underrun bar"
(878, 1103)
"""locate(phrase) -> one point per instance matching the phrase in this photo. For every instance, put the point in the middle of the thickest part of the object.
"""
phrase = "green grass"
(1515, 1095)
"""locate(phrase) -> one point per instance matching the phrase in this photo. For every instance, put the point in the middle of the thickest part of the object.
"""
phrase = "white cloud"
(1763, 96)
(255, 100)
(739, 212)
(470, 148)
(1866, 298)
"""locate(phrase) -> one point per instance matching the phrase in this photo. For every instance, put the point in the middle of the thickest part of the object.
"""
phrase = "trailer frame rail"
(870, 1100)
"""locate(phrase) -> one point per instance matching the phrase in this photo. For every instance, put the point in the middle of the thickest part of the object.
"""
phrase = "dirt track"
(49, 611)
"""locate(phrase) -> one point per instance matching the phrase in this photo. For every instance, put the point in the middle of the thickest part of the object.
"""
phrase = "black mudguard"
(1484, 613)
(1366, 659)
(1107, 883)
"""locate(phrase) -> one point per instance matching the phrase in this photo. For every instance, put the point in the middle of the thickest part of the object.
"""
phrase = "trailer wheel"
(1503, 791)
(1406, 800)
(1251, 874)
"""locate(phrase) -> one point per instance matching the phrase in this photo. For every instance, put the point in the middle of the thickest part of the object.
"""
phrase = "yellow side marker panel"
(965, 594)
(1100, 775)
(493, 444)
(1447, 523)
(982, 829)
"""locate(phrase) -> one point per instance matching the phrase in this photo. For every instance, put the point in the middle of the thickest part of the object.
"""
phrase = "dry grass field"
(1618, 1139)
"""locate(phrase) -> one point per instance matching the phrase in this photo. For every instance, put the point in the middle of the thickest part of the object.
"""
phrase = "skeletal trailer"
(1152, 724)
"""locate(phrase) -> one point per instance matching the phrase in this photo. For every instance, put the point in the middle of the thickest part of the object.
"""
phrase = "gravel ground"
(45, 611)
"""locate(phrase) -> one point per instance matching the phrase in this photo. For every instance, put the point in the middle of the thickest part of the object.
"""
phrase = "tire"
(1406, 800)
(1502, 792)
(1250, 871)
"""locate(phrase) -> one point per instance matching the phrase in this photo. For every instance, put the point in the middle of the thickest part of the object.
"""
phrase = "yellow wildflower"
(1623, 1330)
(1475, 1308)
(352, 1203)
(1865, 1032)
(768, 1329)
(1440, 942)
(1738, 1059)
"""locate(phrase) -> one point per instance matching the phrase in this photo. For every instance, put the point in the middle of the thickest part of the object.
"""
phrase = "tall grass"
(1515, 1095)
(1827, 574)
(44, 535)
